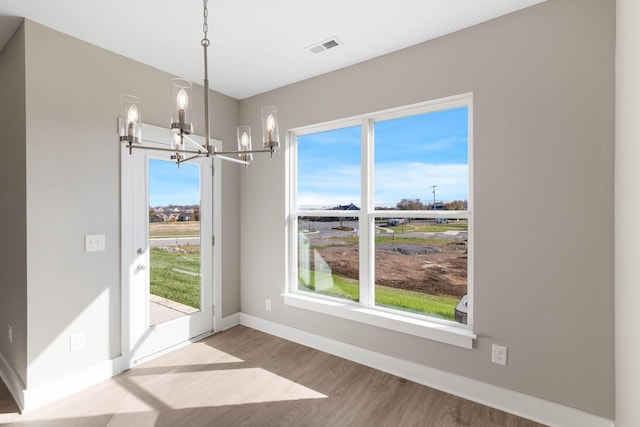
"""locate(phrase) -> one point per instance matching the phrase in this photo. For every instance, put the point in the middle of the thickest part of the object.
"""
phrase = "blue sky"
(411, 154)
(169, 185)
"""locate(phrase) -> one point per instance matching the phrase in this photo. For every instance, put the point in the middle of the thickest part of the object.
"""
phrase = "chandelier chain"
(205, 25)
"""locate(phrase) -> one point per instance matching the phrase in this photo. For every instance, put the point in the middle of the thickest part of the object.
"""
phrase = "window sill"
(449, 334)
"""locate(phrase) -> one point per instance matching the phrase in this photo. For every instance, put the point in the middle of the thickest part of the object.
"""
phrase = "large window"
(381, 211)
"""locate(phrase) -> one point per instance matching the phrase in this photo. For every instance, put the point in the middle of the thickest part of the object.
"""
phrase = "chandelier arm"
(266, 150)
(188, 158)
(198, 146)
(231, 159)
(169, 150)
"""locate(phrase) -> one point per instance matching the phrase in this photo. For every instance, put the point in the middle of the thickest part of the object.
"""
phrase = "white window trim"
(365, 311)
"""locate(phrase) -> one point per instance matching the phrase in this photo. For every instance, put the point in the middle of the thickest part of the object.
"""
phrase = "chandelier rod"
(205, 44)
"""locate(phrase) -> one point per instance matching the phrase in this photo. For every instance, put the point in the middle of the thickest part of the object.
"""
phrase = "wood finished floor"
(242, 377)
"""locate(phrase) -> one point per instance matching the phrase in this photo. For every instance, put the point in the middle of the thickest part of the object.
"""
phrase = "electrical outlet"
(268, 304)
(499, 354)
(10, 333)
(94, 242)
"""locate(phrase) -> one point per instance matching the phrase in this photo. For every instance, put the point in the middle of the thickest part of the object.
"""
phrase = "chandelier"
(182, 147)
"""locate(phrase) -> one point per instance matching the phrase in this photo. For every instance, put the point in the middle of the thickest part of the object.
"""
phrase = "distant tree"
(456, 205)
(411, 205)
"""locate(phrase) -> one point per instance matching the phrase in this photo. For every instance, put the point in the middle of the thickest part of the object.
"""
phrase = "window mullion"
(292, 223)
(367, 232)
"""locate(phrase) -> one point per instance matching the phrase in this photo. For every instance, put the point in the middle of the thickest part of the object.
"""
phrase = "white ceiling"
(256, 45)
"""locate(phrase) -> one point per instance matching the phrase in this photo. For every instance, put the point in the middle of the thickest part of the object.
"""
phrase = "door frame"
(154, 136)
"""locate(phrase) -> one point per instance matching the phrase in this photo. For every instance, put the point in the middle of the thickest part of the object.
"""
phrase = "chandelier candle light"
(129, 122)
(180, 126)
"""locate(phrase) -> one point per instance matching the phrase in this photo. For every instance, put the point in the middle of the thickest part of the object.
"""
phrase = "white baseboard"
(28, 400)
(13, 381)
(230, 321)
(519, 404)
(36, 397)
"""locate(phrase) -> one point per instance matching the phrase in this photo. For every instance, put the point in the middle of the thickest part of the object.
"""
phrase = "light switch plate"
(94, 242)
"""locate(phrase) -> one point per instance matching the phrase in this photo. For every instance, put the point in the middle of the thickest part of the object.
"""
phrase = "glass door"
(167, 251)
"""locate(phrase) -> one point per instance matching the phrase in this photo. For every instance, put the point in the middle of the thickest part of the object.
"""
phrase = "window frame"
(364, 310)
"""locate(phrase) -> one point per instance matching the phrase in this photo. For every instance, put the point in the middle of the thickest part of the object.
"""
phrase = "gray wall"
(13, 249)
(543, 84)
(72, 181)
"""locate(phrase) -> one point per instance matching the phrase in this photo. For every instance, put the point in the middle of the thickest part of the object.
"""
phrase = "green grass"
(415, 302)
(342, 287)
(177, 286)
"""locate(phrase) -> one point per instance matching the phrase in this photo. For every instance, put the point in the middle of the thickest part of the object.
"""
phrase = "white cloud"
(321, 189)
(393, 182)
(396, 181)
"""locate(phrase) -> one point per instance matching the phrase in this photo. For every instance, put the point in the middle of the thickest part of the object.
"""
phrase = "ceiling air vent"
(324, 45)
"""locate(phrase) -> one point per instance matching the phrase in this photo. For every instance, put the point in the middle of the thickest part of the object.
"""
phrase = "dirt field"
(437, 270)
(174, 228)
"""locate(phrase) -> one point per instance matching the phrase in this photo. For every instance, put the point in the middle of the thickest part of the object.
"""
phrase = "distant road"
(173, 241)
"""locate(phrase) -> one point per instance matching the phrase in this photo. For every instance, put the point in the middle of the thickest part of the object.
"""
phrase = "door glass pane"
(421, 266)
(174, 240)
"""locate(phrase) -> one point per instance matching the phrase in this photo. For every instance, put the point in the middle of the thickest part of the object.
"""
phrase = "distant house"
(173, 214)
(349, 207)
(156, 218)
(397, 221)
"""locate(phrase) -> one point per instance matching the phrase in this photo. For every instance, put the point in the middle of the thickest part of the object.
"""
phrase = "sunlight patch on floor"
(220, 388)
(194, 354)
